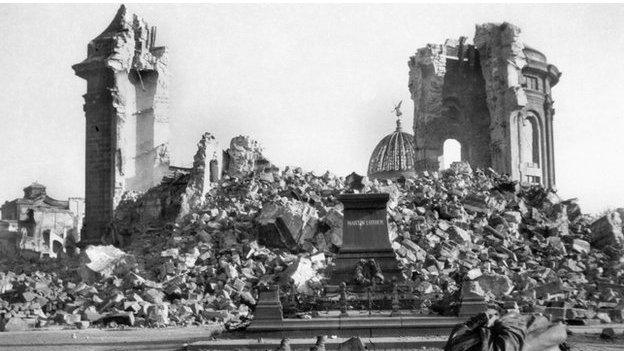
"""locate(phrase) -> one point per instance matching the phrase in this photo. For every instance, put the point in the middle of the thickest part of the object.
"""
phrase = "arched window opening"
(46, 237)
(451, 152)
(529, 142)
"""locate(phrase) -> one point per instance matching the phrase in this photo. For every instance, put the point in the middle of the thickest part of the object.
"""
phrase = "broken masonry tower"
(493, 97)
(127, 117)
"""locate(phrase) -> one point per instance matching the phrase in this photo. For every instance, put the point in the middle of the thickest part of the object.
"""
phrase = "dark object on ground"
(512, 332)
(284, 345)
(353, 344)
(607, 333)
(320, 344)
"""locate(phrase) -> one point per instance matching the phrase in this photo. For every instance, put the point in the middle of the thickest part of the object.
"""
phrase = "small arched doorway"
(451, 152)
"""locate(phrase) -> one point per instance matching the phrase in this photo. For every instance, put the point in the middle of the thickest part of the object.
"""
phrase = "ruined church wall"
(449, 101)
(100, 137)
(502, 58)
(489, 97)
(465, 114)
(127, 118)
(426, 80)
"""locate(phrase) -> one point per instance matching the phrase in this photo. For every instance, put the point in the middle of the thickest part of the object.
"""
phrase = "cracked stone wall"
(126, 108)
(244, 157)
(201, 175)
(492, 96)
(449, 99)
(502, 59)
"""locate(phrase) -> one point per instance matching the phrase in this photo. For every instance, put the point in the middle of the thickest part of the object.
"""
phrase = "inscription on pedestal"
(364, 236)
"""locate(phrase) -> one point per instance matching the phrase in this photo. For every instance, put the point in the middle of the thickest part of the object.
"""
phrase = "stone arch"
(452, 151)
(531, 147)
(452, 122)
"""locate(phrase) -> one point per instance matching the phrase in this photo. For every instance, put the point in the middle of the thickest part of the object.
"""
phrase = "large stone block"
(607, 231)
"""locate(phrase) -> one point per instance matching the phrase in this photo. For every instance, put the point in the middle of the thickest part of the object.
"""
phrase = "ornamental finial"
(397, 111)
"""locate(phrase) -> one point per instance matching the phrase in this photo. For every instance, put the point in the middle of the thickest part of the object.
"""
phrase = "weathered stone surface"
(105, 261)
(334, 220)
(300, 218)
(127, 127)
(502, 59)
(200, 178)
(302, 273)
(244, 157)
(607, 230)
(477, 95)
(581, 246)
(496, 284)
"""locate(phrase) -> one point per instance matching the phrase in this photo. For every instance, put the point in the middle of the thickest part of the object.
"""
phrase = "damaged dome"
(393, 157)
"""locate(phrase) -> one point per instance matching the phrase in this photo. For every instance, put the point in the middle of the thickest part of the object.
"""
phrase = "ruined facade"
(43, 224)
(493, 97)
(244, 157)
(127, 118)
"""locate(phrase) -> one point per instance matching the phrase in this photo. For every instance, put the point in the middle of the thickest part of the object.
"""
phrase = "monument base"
(344, 265)
(269, 307)
(471, 304)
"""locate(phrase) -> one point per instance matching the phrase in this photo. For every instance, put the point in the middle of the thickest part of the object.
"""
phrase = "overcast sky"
(313, 83)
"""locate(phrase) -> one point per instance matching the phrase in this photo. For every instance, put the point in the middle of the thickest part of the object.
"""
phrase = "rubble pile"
(517, 247)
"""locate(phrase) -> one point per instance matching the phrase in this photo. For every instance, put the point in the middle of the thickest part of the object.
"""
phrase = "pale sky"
(313, 83)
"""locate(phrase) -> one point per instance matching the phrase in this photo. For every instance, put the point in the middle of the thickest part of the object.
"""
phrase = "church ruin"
(493, 97)
(127, 117)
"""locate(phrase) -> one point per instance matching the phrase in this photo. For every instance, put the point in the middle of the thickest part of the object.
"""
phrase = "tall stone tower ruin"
(127, 117)
(493, 97)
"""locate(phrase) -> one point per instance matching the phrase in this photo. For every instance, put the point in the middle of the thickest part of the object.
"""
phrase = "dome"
(393, 157)
(534, 54)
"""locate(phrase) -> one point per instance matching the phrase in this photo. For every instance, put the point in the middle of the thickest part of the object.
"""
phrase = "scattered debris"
(504, 242)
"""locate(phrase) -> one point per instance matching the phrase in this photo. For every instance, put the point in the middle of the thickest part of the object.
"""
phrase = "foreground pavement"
(202, 338)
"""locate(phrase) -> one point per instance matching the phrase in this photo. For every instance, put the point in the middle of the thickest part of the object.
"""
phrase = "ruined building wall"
(502, 59)
(126, 117)
(449, 97)
(493, 97)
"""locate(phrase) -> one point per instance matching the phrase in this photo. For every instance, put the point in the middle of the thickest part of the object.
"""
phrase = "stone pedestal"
(365, 236)
(471, 303)
(268, 307)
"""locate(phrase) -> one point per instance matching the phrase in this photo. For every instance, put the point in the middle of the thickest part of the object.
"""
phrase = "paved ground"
(196, 338)
(104, 339)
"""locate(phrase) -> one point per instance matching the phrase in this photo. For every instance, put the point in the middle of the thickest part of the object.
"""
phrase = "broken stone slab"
(244, 157)
(497, 284)
(461, 167)
(333, 219)
(474, 273)
(105, 261)
(607, 231)
(300, 218)
(276, 235)
(301, 272)
(459, 235)
(153, 296)
(581, 246)
(159, 314)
